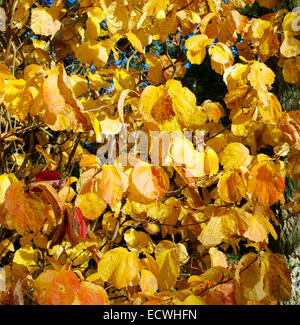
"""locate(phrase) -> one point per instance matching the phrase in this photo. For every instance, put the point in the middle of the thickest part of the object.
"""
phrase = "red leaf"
(76, 225)
(47, 175)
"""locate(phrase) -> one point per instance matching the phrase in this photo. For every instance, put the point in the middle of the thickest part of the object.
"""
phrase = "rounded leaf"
(147, 183)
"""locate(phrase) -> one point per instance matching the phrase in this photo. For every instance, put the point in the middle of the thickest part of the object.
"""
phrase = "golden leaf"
(92, 53)
(221, 57)
(250, 278)
(266, 184)
(260, 76)
(119, 267)
(91, 205)
(56, 287)
(268, 3)
(196, 46)
(43, 22)
(148, 282)
(231, 187)
(138, 241)
(114, 184)
(169, 268)
(217, 257)
(147, 183)
(24, 212)
(277, 276)
(235, 155)
(290, 47)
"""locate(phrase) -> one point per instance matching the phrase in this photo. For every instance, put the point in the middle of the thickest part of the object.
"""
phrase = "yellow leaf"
(183, 256)
(231, 187)
(42, 22)
(162, 69)
(290, 47)
(147, 183)
(196, 46)
(79, 84)
(211, 161)
(221, 57)
(217, 258)
(2, 279)
(138, 241)
(38, 44)
(5, 246)
(119, 267)
(135, 42)
(91, 205)
(63, 110)
(240, 3)
(257, 230)
(212, 234)
(213, 274)
(149, 263)
(27, 256)
(114, 184)
(260, 76)
(184, 102)
(182, 153)
(90, 161)
(290, 22)
(169, 268)
(269, 108)
(148, 282)
(92, 53)
(213, 110)
(291, 70)
(22, 211)
(235, 155)
(110, 126)
(66, 194)
(5, 181)
(14, 98)
(92, 28)
(193, 300)
(155, 7)
(250, 278)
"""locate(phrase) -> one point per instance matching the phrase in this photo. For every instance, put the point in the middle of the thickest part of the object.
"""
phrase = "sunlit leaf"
(42, 22)
(147, 183)
(119, 267)
(56, 288)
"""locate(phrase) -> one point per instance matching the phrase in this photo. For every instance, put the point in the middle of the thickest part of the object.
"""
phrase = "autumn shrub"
(95, 209)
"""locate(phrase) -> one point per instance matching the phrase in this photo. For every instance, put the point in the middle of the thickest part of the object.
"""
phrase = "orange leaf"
(265, 184)
(147, 183)
(114, 184)
(213, 110)
(268, 3)
(23, 211)
(63, 110)
(231, 187)
(91, 294)
(56, 287)
(89, 161)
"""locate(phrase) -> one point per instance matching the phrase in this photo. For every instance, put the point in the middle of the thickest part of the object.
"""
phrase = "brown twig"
(20, 171)
(71, 156)
(9, 29)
